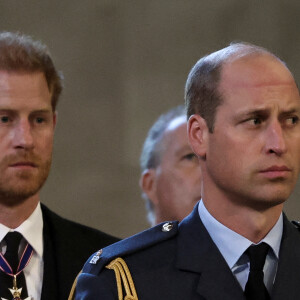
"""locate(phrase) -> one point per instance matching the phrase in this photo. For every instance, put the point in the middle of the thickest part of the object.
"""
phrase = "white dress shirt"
(32, 231)
(232, 246)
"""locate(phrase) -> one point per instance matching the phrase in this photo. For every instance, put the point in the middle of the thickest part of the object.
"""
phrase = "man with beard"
(243, 106)
(41, 252)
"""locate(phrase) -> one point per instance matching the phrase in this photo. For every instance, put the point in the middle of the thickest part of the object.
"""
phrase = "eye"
(292, 120)
(255, 121)
(4, 119)
(190, 156)
(39, 120)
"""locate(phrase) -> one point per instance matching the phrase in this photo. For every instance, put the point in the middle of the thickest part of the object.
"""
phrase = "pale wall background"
(125, 62)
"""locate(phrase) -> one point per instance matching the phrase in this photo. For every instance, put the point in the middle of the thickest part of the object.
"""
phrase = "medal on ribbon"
(6, 268)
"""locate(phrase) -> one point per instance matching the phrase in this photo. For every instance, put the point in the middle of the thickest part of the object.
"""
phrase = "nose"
(22, 138)
(275, 139)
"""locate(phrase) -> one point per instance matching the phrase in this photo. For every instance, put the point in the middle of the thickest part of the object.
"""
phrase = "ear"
(148, 184)
(198, 135)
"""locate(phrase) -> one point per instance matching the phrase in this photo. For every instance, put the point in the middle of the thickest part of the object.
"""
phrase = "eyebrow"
(266, 111)
(44, 110)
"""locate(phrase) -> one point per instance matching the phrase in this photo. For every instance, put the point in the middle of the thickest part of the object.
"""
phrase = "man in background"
(243, 106)
(41, 252)
(171, 175)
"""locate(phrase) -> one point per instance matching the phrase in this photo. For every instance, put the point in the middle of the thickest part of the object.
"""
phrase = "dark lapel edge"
(50, 280)
(197, 253)
(287, 281)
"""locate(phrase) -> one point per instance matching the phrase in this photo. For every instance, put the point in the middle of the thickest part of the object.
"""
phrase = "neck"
(249, 222)
(14, 216)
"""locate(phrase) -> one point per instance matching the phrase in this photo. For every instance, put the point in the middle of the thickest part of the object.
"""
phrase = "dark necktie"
(255, 288)
(12, 240)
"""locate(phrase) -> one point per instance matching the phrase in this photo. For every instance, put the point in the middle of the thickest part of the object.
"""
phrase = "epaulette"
(296, 224)
(142, 240)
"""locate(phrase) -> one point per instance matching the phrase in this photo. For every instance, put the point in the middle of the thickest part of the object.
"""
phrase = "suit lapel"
(50, 280)
(197, 253)
(286, 284)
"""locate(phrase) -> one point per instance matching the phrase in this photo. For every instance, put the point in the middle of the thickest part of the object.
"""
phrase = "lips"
(276, 171)
(23, 164)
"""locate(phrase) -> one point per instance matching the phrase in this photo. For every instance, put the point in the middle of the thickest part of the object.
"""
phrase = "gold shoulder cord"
(123, 276)
(72, 292)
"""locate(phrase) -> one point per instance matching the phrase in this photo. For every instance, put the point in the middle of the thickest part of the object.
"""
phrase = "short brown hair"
(20, 53)
(201, 90)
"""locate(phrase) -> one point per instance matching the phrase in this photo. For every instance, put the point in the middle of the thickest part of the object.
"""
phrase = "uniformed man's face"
(178, 177)
(253, 155)
(26, 134)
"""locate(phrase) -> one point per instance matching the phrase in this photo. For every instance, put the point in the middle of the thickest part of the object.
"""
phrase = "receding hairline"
(251, 64)
(205, 76)
(236, 51)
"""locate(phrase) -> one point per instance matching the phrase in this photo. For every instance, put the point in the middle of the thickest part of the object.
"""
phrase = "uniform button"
(167, 227)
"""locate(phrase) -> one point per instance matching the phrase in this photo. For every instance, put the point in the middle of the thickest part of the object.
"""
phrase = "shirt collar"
(231, 244)
(31, 229)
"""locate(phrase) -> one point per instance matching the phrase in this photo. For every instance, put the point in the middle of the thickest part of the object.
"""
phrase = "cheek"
(44, 144)
(168, 184)
(296, 155)
(224, 157)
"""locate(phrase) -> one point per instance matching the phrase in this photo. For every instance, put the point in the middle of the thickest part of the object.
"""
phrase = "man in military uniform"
(243, 106)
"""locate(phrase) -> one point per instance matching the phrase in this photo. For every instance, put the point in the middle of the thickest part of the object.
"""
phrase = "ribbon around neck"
(24, 261)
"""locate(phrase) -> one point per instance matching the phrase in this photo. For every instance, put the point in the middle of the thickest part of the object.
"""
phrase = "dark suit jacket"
(184, 265)
(67, 245)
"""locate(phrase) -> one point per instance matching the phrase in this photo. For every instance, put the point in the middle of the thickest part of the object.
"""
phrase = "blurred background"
(126, 62)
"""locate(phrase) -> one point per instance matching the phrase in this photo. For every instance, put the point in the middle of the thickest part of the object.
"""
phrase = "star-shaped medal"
(16, 294)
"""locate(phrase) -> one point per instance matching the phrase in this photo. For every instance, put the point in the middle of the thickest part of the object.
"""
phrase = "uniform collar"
(231, 244)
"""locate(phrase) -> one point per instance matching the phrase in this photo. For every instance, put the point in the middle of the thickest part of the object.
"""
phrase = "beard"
(18, 185)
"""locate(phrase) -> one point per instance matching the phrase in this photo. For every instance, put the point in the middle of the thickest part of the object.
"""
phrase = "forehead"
(23, 89)
(254, 71)
(257, 80)
(175, 135)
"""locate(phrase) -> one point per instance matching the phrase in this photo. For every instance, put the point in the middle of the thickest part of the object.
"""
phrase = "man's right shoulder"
(134, 244)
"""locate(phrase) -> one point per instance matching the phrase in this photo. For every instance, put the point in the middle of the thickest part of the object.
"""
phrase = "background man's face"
(26, 134)
(178, 177)
(253, 155)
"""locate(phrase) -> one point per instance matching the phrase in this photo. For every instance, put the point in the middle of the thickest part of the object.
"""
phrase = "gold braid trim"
(123, 276)
(72, 292)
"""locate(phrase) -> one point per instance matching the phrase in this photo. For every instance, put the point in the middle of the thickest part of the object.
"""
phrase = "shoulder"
(139, 243)
(61, 227)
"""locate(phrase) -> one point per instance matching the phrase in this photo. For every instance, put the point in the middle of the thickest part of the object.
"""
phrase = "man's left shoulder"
(66, 229)
(142, 245)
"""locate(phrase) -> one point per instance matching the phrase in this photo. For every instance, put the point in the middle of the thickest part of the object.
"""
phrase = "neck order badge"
(6, 268)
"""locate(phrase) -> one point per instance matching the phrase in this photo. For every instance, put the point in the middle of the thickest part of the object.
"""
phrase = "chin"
(18, 194)
(12, 199)
(267, 203)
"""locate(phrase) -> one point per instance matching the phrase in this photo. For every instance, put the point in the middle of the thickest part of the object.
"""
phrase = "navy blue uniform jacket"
(184, 264)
